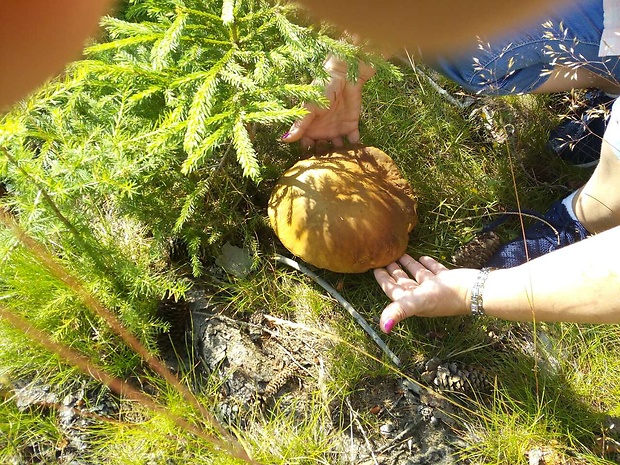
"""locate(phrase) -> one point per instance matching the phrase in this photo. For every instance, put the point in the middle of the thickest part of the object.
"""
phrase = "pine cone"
(478, 251)
(280, 380)
(256, 325)
(454, 377)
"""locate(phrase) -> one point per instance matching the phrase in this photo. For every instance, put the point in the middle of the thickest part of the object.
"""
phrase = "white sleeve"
(610, 40)
(612, 133)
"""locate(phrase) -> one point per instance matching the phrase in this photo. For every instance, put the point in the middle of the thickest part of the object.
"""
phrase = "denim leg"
(520, 61)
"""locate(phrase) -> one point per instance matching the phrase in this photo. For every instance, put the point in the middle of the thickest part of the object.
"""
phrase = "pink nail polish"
(388, 325)
(285, 135)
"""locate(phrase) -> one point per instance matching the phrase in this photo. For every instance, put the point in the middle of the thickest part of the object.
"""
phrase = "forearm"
(579, 283)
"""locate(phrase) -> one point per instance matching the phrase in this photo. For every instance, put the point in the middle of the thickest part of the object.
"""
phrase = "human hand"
(341, 118)
(423, 288)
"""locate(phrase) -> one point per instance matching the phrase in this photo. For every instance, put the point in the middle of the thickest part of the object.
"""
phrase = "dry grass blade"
(117, 385)
(94, 305)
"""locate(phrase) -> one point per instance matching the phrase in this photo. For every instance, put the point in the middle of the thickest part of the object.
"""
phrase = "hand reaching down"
(423, 288)
(341, 119)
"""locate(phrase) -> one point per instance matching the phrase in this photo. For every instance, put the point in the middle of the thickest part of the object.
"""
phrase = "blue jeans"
(520, 61)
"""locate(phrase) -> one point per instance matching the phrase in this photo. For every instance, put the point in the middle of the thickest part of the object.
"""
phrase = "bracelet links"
(477, 309)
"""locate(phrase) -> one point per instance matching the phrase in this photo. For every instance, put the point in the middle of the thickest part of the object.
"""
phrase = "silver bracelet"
(476, 292)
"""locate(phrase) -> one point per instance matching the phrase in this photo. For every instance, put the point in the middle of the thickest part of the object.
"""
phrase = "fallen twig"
(467, 102)
(411, 385)
(397, 440)
(336, 295)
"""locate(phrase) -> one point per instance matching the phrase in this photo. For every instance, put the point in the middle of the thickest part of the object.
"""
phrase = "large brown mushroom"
(347, 211)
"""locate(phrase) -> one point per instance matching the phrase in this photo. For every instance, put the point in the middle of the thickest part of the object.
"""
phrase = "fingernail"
(388, 325)
(285, 135)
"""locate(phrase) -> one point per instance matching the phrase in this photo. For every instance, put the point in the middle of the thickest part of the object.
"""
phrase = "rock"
(387, 429)
(232, 355)
(235, 260)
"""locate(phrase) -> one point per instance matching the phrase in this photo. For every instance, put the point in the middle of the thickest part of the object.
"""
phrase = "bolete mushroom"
(347, 211)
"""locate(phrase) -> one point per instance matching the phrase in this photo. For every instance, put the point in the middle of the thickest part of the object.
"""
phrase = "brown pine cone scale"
(478, 251)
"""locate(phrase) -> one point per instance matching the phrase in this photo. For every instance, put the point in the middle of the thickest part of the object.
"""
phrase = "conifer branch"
(202, 103)
(214, 19)
(189, 205)
(275, 116)
(207, 146)
(121, 43)
(246, 156)
(117, 28)
(168, 43)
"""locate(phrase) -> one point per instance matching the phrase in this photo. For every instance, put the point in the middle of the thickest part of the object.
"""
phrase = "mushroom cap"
(347, 211)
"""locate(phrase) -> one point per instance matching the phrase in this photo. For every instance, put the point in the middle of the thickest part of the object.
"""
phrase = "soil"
(262, 364)
(75, 413)
(264, 360)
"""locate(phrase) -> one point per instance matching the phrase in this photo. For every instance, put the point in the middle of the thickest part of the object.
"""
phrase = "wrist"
(475, 296)
(464, 280)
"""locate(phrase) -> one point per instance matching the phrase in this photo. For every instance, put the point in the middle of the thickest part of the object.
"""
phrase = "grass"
(551, 395)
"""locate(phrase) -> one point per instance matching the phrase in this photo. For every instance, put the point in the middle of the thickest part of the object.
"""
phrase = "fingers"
(298, 128)
(393, 288)
(393, 314)
(432, 264)
(397, 272)
(354, 136)
(306, 144)
(392, 279)
(337, 142)
(421, 269)
(298, 131)
(415, 268)
(397, 283)
(322, 145)
(385, 280)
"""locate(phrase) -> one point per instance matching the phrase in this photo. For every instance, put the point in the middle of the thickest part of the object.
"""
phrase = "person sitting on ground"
(537, 277)
(571, 48)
